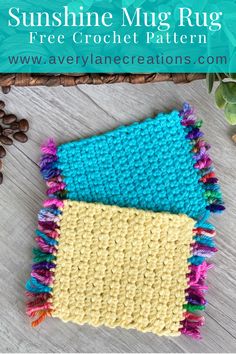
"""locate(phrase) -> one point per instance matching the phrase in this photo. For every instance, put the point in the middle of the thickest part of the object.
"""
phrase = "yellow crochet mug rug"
(106, 265)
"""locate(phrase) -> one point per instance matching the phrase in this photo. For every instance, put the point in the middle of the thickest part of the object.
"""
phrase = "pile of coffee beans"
(10, 129)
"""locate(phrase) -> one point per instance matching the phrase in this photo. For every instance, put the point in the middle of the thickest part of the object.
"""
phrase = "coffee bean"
(7, 132)
(2, 152)
(2, 105)
(21, 137)
(1, 177)
(5, 140)
(14, 126)
(1, 129)
(2, 113)
(1, 165)
(23, 125)
(6, 89)
(9, 119)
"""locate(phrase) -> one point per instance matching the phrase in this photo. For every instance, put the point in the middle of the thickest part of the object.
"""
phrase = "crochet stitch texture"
(147, 165)
(122, 267)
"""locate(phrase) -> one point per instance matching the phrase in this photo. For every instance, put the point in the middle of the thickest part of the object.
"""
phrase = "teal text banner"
(117, 36)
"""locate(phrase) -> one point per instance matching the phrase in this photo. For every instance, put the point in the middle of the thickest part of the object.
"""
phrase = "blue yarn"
(203, 221)
(196, 260)
(48, 172)
(51, 195)
(205, 240)
(212, 187)
(34, 286)
(147, 165)
(45, 211)
(50, 241)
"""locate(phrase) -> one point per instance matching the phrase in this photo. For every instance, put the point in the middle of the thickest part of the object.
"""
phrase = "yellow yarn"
(122, 267)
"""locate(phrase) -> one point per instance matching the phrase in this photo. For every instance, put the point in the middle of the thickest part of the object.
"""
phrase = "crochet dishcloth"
(160, 164)
(112, 266)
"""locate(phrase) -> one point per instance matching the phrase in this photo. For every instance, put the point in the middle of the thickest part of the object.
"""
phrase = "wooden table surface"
(73, 113)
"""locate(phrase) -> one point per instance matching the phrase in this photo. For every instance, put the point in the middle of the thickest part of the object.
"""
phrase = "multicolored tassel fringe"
(203, 248)
(50, 172)
(204, 245)
(40, 285)
(203, 162)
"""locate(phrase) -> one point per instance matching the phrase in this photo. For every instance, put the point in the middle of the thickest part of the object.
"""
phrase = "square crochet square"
(160, 164)
(118, 267)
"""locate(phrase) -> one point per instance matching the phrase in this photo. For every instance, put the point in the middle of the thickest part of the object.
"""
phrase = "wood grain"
(76, 112)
